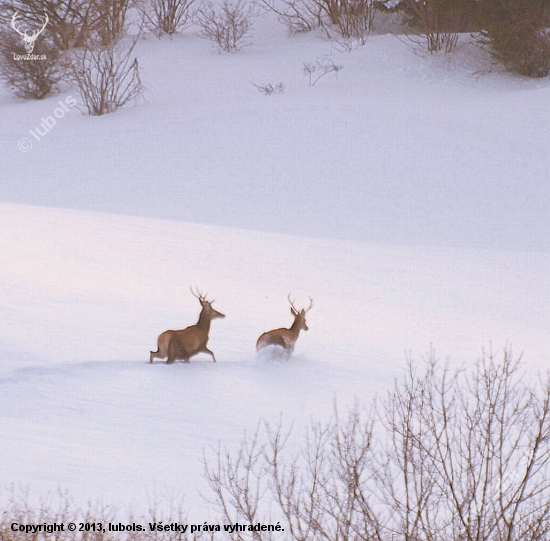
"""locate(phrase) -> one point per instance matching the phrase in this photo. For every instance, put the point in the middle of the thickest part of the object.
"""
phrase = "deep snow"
(407, 196)
(84, 296)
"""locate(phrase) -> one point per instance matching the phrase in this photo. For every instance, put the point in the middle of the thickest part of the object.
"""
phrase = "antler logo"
(29, 40)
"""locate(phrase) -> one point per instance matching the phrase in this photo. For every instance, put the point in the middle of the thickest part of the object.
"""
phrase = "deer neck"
(295, 328)
(204, 322)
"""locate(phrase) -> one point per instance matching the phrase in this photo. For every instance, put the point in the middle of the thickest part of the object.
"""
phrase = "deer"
(29, 40)
(187, 342)
(286, 338)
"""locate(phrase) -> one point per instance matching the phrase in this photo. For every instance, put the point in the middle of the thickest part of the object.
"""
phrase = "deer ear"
(293, 312)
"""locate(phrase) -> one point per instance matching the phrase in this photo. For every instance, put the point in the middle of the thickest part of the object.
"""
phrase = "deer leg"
(206, 350)
(176, 350)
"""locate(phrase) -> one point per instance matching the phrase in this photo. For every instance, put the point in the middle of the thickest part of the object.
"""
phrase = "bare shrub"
(452, 455)
(517, 35)
(108, 77)
(69, 20)
(167, 16)
(320, 494)
(238, 484)
(439, 21)
(29, 77)
(352, 19)
(268, 89)
(320, 68)
(110, 24)
(226, 26)
(73, 23)
(348, 19)
(469, 453)
(297, 15)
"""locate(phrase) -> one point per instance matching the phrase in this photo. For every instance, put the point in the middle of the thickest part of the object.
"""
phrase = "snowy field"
(408, 196)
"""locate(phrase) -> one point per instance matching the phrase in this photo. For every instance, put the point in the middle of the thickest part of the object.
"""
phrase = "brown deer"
(187, 342)
(286, 338)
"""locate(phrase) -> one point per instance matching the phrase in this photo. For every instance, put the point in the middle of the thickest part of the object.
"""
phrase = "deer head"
(29, 40)
(300, 315)
(207, 308)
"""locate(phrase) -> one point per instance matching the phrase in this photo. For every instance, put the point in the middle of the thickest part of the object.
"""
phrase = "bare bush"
(320, 68)
(238, 484)
(108, 77)
(348, 19)
(167, 16)
(450, 455)
(517, 35)
(111, 20)
(226, 26)
(29, 76)
(268, 89)
(352, 19)
(73, 23)
(469, 453)
(70, 21)
(439, 21)
(297, 15)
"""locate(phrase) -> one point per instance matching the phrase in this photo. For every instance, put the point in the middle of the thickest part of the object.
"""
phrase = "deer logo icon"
(28, 39)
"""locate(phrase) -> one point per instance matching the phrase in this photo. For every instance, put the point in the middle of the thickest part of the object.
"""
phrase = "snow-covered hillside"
(396, 148)
(407, 197)
(84, 296)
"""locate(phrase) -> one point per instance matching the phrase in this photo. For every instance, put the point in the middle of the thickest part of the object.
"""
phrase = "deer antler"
(292, 304)
(202, 298)
(304, 310)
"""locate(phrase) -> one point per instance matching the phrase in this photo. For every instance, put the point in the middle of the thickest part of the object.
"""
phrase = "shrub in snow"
(167, 16)
(226, 26)
(268, 89)
(68, 20)
(352, 19)
(446, 455)
(349, 19)
(73, 23)
(296, 15)
(320, 68)
(110, 24)
(439, 22)
(29, 76)
(516, 32)
(107, 76)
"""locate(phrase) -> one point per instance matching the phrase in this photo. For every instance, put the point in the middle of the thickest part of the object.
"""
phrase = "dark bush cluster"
(74, 31)
(27, 78)
(515, 31)
(84, 34)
